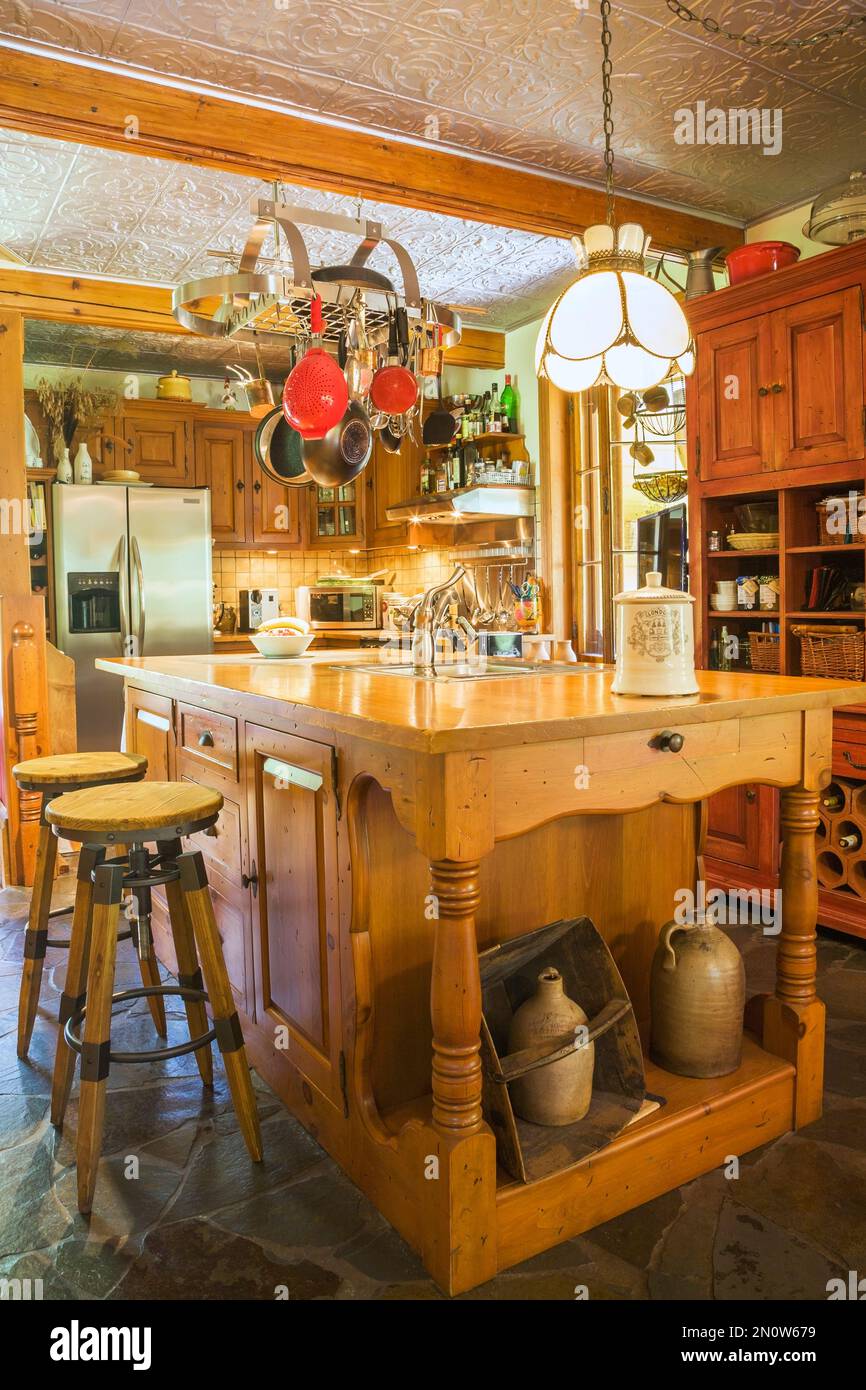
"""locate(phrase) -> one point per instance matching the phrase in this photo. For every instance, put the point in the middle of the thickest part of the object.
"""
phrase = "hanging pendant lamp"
(613, 326)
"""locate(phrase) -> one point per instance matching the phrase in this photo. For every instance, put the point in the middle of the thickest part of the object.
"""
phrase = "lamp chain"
(712, 26)
(607, 103)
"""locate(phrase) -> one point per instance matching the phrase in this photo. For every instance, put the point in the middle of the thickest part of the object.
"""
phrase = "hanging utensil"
(315, 395)
(440, 426)
(344, 452)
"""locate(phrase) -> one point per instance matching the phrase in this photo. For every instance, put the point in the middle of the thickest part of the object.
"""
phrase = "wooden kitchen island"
(379, 830)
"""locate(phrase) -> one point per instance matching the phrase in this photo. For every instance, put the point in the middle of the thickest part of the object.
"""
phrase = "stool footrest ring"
(153, 1054)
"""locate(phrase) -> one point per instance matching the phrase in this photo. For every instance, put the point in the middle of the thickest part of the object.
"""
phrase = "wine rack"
(841, 856)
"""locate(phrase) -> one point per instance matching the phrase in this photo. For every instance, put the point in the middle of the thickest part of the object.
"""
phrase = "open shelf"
(833, 614)
(852, 547)
(741, 554)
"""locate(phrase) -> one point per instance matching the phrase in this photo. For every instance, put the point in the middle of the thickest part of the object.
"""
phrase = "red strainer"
(315, 395)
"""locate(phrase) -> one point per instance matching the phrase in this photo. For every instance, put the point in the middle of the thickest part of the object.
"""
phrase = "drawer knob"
(669, 742)
(205, 740)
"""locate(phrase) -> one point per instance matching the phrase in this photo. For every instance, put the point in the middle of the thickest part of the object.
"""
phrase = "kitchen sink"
(459, 671)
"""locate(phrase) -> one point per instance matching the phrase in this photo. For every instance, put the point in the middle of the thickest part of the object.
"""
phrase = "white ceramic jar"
(655, 641)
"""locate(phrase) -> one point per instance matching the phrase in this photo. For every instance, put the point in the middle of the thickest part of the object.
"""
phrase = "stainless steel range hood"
(468, 504)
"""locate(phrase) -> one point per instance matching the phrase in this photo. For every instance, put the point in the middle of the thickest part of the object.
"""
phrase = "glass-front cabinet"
(336, 516)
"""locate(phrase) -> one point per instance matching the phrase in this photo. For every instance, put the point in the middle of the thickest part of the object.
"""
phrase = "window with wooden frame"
(624, 524)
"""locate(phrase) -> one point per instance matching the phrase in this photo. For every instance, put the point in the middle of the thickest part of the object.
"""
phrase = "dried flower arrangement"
(66, 404)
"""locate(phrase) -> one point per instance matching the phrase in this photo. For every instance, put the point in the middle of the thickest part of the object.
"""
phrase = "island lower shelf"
(703, 1122)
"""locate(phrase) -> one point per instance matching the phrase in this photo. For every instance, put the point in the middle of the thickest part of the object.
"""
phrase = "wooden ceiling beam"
(147, 308)
(72, 101)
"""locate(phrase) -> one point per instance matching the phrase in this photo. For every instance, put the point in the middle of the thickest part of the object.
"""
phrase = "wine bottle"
(508, 406)
(833, 801)
(852, 841)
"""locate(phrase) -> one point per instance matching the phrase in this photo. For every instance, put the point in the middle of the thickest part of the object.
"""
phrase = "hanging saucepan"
(343, 453)
(278, 451)
(394, 388)
(440, 426)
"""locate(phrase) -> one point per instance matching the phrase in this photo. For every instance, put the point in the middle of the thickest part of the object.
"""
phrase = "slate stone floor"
(200, 1221)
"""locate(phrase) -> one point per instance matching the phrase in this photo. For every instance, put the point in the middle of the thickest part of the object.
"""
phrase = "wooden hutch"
(777, 412)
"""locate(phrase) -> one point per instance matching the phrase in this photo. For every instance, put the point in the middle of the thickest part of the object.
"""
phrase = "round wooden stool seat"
(79, 769)
(138, 811)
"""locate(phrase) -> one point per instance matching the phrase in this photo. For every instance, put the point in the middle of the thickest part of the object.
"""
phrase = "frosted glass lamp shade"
(613, 324)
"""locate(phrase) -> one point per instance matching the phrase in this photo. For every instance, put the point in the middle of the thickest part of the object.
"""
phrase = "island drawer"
(209, 737)
(849, 744)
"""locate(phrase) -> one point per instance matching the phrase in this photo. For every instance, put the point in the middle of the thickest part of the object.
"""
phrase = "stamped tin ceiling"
(516, 80)
(131, 217)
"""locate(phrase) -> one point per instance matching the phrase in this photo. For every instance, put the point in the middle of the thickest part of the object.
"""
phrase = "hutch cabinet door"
(276, 510)
(161, 440)
(291, 805)
(817, 386)
(391, 478)
(742, 828)
(735, 416)
(150, 731)
(219, 465)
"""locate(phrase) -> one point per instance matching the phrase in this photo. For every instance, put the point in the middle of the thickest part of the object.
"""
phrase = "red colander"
(394, 389)
(315, 395)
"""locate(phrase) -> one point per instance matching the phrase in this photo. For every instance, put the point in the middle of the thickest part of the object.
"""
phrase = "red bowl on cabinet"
(759, 258)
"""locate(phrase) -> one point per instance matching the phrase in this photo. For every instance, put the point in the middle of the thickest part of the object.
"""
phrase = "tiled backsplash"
(255, 569)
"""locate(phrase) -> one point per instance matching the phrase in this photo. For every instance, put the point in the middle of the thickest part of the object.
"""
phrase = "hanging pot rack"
(273, 306)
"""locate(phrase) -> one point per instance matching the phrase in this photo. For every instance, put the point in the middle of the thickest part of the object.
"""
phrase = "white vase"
(64, 468)
(83, 464)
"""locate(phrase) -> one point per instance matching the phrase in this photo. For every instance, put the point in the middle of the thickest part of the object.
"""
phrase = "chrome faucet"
(425, 619)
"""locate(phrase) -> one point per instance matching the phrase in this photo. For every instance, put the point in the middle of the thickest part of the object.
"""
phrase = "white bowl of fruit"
(282, 637)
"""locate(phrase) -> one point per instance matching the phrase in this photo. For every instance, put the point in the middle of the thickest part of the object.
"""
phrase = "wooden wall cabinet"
(336, 516)
(276, 511)
(292, 827)
(734, 427)
(391, 478)
(220, 464)
(161, 437)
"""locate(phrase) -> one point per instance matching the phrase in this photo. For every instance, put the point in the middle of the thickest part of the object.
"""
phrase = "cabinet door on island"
(291, 806)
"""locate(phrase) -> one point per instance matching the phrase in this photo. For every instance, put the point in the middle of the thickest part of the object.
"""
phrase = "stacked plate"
(123, 477)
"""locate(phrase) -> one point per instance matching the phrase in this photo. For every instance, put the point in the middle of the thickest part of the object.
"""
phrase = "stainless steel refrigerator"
(132, 572)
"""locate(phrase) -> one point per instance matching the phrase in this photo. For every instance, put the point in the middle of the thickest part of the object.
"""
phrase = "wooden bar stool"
(48, 777)
(157, 813)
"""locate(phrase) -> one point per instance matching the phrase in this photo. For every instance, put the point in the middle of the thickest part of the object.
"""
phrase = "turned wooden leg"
(230, 1039)
(73, 997)
(188, 970)
(148, 967)
(455, 999)
(36, 937)
(793, 1014)
(107, 893)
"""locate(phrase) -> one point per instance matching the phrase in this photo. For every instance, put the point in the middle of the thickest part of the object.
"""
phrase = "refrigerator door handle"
(139, 571)
(125, 636)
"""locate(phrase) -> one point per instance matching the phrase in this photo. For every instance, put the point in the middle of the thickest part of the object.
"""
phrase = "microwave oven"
(340, 607)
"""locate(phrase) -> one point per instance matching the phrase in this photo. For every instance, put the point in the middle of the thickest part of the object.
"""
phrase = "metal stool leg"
(194, 885)
(188, 971)
(97, 1030)
(36, 937)
(72, 997)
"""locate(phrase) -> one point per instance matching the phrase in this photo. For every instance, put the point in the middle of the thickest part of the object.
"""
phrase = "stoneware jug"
(655, 641)
(83, 464)
(559, 1093)
(697, 996)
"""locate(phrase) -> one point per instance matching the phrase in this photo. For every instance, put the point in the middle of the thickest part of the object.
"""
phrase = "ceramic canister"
(655, 641)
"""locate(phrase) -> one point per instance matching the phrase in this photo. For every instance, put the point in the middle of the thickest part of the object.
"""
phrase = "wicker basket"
(828, 650)
(836, 534)
(764, 650)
